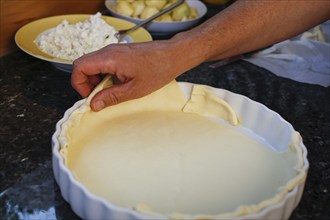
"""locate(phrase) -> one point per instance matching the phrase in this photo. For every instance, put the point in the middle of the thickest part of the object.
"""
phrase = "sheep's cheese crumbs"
(71, 41)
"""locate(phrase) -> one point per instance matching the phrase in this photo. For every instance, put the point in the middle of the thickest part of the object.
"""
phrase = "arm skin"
(141, 68)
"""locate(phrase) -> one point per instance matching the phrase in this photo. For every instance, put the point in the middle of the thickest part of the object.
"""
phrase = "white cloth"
(305, 58)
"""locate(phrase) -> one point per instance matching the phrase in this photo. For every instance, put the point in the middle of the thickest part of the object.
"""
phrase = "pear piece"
(138, 7)
(181, 11)
(159, 4)
(148, 12)
(124, 8)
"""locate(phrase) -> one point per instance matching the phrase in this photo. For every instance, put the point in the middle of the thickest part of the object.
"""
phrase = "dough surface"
(175, 161)
(152, 153)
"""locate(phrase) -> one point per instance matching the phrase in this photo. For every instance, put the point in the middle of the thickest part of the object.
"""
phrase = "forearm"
(249, 25)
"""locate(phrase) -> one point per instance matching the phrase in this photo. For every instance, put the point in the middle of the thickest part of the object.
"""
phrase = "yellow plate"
(26, 35)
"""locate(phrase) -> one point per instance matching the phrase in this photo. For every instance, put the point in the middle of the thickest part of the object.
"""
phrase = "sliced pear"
(159, 4)
(138, 7)
(124, 8)
(165, 18)
(181, 11)
(148, 12)
(193, 13)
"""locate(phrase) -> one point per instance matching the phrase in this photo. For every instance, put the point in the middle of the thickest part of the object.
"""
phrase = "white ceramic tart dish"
(186, 151)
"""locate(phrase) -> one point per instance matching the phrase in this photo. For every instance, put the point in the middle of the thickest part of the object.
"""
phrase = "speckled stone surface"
(35, 95)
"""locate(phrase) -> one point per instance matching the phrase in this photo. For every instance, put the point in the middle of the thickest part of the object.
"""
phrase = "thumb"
(111, 96)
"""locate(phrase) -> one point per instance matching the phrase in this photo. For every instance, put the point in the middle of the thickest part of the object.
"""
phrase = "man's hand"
(137, 69)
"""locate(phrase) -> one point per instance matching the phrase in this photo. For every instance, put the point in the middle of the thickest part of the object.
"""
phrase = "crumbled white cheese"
(71, 41)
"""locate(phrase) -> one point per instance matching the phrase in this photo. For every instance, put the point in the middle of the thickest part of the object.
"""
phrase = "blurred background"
(16, 13)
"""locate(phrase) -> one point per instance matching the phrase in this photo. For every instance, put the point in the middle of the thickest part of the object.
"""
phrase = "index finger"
(85, 73)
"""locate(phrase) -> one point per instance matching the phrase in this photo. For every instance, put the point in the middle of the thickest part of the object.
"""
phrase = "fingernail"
(99, 105)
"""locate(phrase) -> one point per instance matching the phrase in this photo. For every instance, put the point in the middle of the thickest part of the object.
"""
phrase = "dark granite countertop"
(35, 95)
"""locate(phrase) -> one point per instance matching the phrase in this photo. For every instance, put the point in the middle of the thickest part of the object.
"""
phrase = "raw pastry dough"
(156, 153)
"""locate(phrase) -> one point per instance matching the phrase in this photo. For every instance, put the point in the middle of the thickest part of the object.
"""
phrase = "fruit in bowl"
(143, 9)
(184, 17)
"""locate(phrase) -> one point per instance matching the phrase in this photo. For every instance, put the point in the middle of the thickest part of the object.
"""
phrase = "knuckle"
(112, 98)
(76, 62)
(75, 65)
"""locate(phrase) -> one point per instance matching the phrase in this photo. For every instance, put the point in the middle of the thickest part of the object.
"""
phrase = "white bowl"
(157, 27)
(254, 116)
